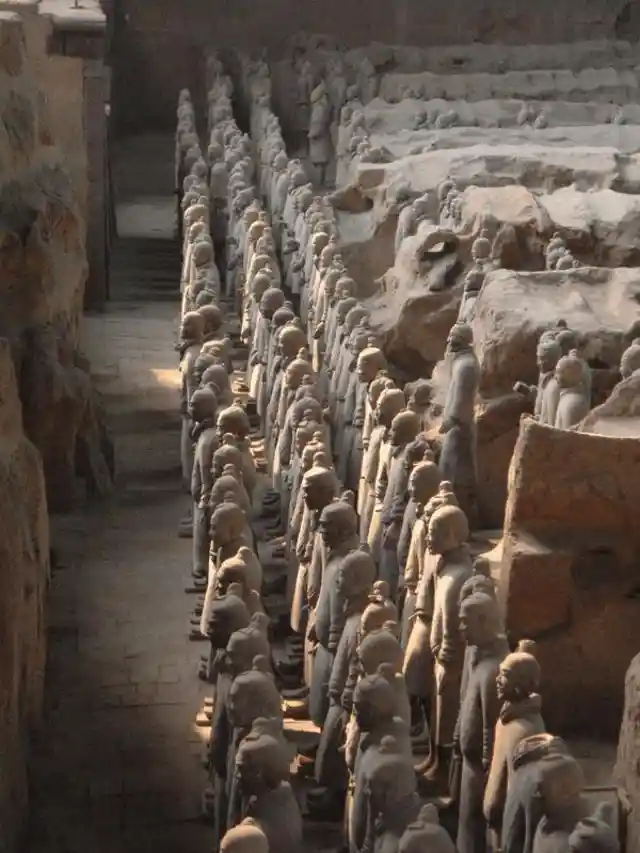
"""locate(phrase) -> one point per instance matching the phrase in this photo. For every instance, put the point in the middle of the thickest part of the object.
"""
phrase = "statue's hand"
(311, 635)
(521, 388)
(446, 426)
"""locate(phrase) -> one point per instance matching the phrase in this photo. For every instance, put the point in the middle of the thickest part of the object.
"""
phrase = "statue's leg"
(200, 542)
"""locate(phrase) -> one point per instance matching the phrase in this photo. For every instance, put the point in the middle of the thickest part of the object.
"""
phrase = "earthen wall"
(158, 44)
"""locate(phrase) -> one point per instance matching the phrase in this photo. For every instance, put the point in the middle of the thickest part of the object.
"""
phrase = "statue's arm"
(340, 670)
(196, 473)
(462, 390)
(450, 624)
(490, 712)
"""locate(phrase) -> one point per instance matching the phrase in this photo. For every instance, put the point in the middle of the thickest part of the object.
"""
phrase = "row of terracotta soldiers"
(403, 650)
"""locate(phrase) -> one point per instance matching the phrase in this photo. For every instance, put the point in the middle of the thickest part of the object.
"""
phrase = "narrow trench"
(117, 765)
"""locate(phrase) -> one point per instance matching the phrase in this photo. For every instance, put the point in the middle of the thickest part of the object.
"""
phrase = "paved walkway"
(118, 768)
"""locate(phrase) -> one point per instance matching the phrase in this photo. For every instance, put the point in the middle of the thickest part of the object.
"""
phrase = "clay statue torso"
(573, 406)
(277, 813)
(517, 721)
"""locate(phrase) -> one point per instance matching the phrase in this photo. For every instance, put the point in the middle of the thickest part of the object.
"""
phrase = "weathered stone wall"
(24, 559)
(627, 772)
(569, 576)
(52, 442)
(149, 31)
(43, 265)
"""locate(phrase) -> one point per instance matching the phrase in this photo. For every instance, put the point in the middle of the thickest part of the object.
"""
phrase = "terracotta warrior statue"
(375, 705)
(272, 299)
(246, 837)
(425, 833)
(595, 834)
(358, 423)
(563, 805)
(228, 532)
(319, 488)
(523, 807)
(546, 393)
(520, 717)
(402, 460)
(226, 615)
(234, 421)
(320, 132)
(449, 567)
(424, 482)
(356, 574)
(481, 625)
(337, 526)
(290, 341)
(390, 482)
(202, 411)
(191, 332)
(393, 801)
(574, 401)
(371, 438)
(458, 452)
(262, 766)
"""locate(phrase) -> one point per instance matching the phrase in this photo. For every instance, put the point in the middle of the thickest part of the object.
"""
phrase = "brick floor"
(117, 767)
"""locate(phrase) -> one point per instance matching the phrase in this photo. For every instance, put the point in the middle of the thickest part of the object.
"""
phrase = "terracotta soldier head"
(481, 248)
(228, 523)
(425, 833)
(374, 701)
(236, 570)
(379, 647)
(233, 420)
(448, 530)
(202, 254)
(424, 482)
(519, 676)
(296, 371)
(380, 383)
(213, 318)
(444, 497)
(228, 488)
(247, 643)
(480, 620)
(291, 339)
(281, 316)
(478, 582)
(338, 523)
(246, 837)
(595, 834)
(419, 395)
(356, 575)
(227, 614)
(216, 376)
(203, 406)
(303, 434)
(226, 454)
(192, 327)
(560, 786)
(390, 403)
(263, 759)
(253, 694)
(380, 610)
(570, 370)
(271, 300)
(342, 309)
(548, 354)
(203, 361)
(319, 488)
